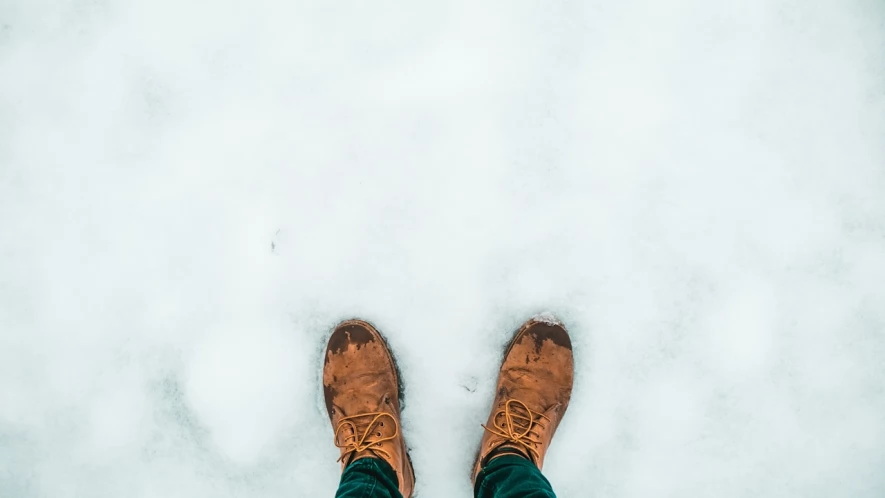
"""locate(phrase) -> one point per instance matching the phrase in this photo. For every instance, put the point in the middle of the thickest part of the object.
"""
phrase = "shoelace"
(354, 443)
(517, 428)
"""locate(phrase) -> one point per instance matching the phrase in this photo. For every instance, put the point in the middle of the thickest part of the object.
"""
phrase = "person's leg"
(368, 478)
(533, 392)
(511, 476)
(361, 388)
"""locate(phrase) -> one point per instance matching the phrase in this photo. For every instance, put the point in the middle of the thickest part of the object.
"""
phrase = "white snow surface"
(193, 193)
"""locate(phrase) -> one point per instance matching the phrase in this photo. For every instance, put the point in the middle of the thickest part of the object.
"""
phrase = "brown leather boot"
(361, 388)
(534, 388)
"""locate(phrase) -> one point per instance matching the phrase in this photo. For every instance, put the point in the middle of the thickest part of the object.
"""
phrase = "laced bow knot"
(517, 426)
(370, 438)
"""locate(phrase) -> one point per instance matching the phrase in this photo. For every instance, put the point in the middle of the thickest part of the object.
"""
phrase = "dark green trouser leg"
(510, 476)
(369, 478)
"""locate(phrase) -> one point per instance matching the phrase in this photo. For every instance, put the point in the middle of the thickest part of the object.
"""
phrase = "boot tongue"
(362, 427)
(519, 430)
(509, 449)
(365, 424)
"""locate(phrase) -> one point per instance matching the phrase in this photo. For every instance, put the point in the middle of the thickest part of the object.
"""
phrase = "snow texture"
(193, 193)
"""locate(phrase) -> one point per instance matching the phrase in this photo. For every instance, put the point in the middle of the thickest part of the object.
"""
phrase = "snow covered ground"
(193, 193)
